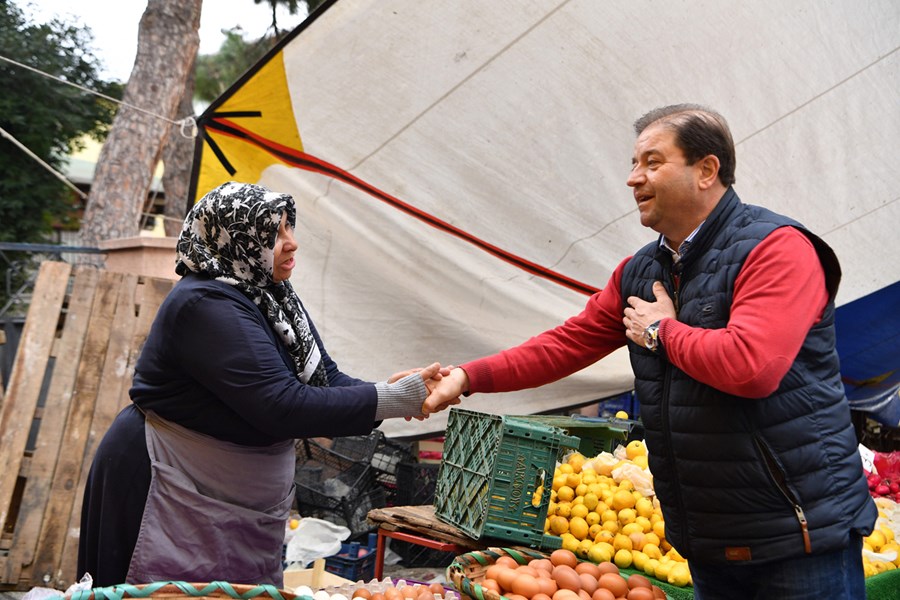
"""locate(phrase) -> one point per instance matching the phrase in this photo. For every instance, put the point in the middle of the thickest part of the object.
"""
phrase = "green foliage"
(46, 116)
(215, 73)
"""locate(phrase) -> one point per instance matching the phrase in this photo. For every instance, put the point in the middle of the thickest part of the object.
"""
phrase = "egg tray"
(467, 570)
(182, 590)
(493, 465)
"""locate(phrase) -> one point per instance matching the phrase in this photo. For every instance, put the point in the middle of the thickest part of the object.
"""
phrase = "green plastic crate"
(493, 464)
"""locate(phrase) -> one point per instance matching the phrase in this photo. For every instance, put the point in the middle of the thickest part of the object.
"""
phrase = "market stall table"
(417, 525)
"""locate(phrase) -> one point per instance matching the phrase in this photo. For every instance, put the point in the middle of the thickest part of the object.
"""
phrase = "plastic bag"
(313, 538)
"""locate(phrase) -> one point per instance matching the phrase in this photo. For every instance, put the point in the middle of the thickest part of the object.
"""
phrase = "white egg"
(322, 595)
(338, 597)
(304, 590)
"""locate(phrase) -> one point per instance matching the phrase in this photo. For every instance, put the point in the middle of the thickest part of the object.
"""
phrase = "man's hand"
(447, 391)
(640, 314)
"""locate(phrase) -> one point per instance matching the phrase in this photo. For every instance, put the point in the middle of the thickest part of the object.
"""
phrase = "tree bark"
(178, 154)
(168, 41)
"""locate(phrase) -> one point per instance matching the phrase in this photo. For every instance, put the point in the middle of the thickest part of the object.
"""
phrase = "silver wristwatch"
(651, 336)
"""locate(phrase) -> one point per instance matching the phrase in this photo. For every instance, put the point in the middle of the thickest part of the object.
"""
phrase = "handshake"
(444, 385)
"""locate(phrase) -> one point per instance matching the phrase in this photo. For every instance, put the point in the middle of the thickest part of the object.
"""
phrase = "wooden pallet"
(71, 374)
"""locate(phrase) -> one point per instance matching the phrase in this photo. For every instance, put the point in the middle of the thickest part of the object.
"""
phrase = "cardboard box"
(316, 578)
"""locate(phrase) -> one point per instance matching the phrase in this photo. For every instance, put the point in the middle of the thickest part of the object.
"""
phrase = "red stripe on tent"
(308, 162)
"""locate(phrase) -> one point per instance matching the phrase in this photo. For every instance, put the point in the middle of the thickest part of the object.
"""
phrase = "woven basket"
(468, 569)
(179, 590)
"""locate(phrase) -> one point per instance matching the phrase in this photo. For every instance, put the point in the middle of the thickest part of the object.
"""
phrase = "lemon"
(662, 570)
(627, 516)
(564, 509)
(630, 528)
(565, 494)
(558, 481)
(644, 507)
(651, 550)
(622, 499)
(659, 528)
(622, 541)
(570, 542)
(641, 461)
(679, 575)
(578, 527)
(599, 554)
(876, 540)
(579, 510)
(621, 414)
(640, 559)
(604, 536)
(623, 558)
(573, 480)
(650, 566)
(581, 489)
(576, 460)
(635, 448)
(610, 526)
(294, 523)
(558, 525)
(565, 469)
(651, 538)
(584, 548)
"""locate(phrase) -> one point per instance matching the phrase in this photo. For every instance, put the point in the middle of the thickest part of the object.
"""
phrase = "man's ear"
(709, 171)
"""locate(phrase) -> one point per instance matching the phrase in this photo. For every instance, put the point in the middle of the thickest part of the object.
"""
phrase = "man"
(729, 320)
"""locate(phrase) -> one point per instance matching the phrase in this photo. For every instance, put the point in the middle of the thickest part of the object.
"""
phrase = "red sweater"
(778, 296)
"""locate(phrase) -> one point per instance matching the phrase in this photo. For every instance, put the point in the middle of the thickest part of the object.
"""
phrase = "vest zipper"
(780, 482)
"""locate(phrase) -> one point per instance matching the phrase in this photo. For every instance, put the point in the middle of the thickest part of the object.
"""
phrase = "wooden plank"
(54, 413)
(68, 468)
(27, 375)
(113, 387)
(138, 305)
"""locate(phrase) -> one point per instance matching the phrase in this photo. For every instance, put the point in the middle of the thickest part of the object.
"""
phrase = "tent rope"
(57, 174)
(187, 125)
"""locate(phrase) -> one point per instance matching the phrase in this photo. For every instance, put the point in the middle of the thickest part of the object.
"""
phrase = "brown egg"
(409, 591)
(492, 571)
(543, 573)
(584, 595)
(546, 583)
(640, 593)
(361, 593)
(378, 596)
(607, 567)
(506, 561)
(436, 588)
(588, 582)
(602, 594)
(659, 593)
(526, 569)
(614, 583)
(637, 580)
(393, 593)
(516, 597)
(589, 568)
(525, 585)
(541, 596)
(426, 594)
(505, 578)
(563, 557)
(490, 584)
(566, 577)
(564, 594)
(542, 564)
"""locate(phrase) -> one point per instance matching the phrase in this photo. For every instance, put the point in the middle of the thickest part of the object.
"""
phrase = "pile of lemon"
(600, 516)
(881, 552)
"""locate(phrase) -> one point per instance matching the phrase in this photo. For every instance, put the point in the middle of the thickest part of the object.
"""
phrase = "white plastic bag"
(314, 538)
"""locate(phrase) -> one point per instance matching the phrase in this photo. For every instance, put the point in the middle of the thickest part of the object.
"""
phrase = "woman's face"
(285, 246)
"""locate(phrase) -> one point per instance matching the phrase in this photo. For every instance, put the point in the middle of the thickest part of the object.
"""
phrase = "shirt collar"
(677, 254)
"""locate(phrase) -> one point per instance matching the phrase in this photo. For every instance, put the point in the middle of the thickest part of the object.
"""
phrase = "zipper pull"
(807, 544)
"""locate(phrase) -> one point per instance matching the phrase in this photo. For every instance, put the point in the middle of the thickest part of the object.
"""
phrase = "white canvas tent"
(459, 165)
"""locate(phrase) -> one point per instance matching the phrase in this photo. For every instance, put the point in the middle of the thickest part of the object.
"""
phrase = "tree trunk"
(178, 154)
(168, 41)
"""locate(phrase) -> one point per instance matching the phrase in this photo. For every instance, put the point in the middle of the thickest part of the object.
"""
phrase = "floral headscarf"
(230, 235)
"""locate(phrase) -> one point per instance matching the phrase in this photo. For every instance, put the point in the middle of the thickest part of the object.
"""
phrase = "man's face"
(665, 188)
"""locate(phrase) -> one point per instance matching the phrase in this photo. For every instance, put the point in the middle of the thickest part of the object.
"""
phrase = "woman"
(194, 479)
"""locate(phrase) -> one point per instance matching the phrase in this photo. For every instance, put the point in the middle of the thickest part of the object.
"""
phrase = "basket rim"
(216, 589)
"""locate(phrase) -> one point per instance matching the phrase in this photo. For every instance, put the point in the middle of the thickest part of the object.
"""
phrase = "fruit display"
(881, 551)
(386, 589)
(604, 510)
(515, 574)
(884, 478)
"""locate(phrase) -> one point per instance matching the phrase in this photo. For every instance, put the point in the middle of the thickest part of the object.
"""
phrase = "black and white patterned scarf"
(230, 235)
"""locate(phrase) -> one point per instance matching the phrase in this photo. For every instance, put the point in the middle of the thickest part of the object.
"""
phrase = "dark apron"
(216, 511)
